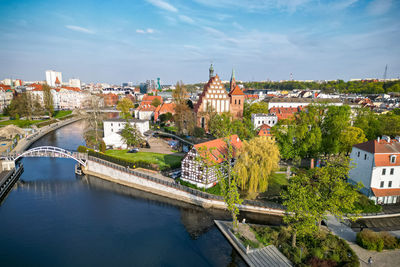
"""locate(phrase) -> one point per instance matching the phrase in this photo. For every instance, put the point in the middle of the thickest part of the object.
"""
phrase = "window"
(239, 101)
(200, 168)
(358, 154)
(111, 130)
(382, 184)
(392, 159)
(391, 171)
(383, 171)
(365, 156)
(390, 184)
(235, 102)
(187, 165)
(185, 174)
(111, 124)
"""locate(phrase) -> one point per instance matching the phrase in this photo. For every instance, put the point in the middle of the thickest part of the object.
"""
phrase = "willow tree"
(257, 160)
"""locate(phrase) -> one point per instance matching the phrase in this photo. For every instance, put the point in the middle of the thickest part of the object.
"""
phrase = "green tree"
(349, 137)
(184, 117)
(330, 187)
(48, 100)
(258, 107)
(337, 119)
(131, 135)
(257, 160)
(156, 102)
(124, 107)
(369, 122)
(300, 205)
(228, 182)
(220, 125)
(165, 117)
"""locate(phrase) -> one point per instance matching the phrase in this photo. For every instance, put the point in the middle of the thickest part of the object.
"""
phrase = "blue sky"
(120, 41)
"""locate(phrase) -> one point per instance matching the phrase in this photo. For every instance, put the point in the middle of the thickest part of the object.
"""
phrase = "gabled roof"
(150, 98)
(265, 130)
(373, 146)
(219, 148)
(165, 108)
(386, 192)
(236, 91)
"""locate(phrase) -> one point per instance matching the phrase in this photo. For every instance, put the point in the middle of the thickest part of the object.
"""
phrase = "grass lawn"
(20, 123)
(277, 181)
(215, 190)
(164, 161)
(61, 113)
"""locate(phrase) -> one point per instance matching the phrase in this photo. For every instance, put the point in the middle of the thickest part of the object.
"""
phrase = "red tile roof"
(373, 146)
(236, 91)
(386, 192)
(285, 113)
(57, 81)
(150, 98)
(219, 148)
(265, 130)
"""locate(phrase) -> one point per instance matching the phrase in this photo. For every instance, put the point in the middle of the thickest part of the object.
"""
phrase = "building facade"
(259, 119)
(377, 166)
(200, 172)
(112, 127)
(215, 98)
(52, 77)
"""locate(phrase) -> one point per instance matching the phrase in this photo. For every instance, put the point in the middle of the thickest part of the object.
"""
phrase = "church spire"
(211, 71)
(233, 81)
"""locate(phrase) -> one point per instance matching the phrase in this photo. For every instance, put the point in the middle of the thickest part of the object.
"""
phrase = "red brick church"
(216, 98)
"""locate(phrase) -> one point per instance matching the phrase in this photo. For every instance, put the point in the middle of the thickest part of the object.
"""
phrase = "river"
(54, 218)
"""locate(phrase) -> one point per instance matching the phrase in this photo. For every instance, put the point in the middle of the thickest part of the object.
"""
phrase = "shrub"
(102, 146)
(318, 252)
(198, 132)
(370, 240)
(389, 241)
(82, 149)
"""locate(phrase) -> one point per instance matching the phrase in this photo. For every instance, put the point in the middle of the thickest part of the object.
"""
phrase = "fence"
(178, 186)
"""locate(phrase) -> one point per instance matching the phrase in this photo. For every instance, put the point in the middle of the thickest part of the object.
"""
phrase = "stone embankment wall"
(128, 177)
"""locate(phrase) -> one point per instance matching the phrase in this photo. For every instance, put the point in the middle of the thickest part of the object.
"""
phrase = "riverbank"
(26, 142)
(128, 177)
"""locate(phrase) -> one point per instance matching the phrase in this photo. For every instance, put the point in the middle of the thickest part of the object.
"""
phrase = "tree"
(300, 206)
(369, 122)
(330, 187)
(350, 137)
(165, 117)
(102, 146)
(156, 102)
(93, 133)
(258, 107)
(228, 182)
(337, 119)
(48, 100)
(220, 125)
(124, 107)
(131, 135)
(184, 117)
(257, 160)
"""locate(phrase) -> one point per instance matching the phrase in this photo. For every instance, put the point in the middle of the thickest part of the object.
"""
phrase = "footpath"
(384, 258)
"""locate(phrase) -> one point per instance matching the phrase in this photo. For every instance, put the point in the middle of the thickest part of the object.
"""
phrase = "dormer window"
(392, 159)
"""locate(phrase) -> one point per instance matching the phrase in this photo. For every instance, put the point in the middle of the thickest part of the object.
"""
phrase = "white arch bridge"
(48, 151)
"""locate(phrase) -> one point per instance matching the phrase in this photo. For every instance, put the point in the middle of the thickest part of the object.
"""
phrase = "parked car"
(133, 150)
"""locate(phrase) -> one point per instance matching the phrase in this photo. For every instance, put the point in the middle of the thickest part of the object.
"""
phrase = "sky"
(131, 40)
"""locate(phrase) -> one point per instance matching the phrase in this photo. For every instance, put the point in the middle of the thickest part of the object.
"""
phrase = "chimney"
(386, 138)
(379, 139)
(312, 164)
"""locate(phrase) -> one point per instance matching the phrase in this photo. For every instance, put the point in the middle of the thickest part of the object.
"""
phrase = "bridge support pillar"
(7, 165)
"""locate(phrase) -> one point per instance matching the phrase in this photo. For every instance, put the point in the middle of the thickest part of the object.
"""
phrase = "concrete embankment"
(24, 143)
(128, 177)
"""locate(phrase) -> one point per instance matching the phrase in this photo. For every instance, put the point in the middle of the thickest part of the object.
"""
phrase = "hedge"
(371, 240)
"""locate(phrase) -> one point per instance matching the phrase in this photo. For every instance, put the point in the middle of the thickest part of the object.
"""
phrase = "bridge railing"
(178, 186)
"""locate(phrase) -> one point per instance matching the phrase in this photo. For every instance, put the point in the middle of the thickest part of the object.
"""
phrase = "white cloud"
(79, 29)
(146, 31)
(163, 5)
(186, 19)
(379, 7)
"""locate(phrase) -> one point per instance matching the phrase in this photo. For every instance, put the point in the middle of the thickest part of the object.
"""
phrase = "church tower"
(211, 71)
(237, 98)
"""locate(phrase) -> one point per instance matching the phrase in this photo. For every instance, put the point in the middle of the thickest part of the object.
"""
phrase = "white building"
(112, 127)
(377, 166)
(53, 78)
(261, 118)
(75, 83)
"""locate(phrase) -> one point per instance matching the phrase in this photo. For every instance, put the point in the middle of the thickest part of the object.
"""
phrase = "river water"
(54, 218)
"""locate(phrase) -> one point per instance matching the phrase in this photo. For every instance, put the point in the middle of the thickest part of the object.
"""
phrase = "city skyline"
(175, 40)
